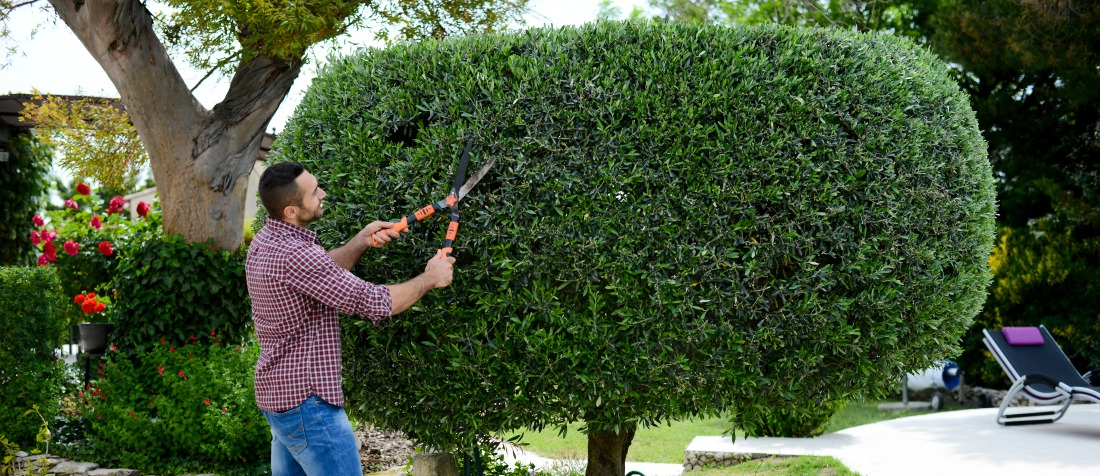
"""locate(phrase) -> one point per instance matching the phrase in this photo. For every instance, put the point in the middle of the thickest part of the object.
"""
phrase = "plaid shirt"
(297, 293)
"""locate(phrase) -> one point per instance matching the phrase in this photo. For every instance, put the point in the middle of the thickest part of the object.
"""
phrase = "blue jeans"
(314, 438)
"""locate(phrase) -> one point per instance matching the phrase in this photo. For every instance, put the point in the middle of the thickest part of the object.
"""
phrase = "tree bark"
(607, 453)
(200, 158)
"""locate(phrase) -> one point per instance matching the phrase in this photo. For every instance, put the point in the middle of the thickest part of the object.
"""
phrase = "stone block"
(434, 464)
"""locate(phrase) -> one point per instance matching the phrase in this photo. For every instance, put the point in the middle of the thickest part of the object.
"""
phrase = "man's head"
(291, 194)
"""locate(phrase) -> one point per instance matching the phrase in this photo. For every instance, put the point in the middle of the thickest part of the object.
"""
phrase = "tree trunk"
(200, 158)
(607, 453)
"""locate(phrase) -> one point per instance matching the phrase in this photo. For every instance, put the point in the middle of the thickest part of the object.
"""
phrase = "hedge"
(682, 220)
(30, 371)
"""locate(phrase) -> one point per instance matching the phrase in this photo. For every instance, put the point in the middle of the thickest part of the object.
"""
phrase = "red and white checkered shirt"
(298, 293)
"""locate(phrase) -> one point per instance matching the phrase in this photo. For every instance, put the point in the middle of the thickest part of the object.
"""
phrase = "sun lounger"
(1040, 370)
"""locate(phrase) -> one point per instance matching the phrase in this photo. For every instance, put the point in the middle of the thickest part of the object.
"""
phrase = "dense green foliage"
(30, 373)
(24, 183)
(176, 409)
(681, 221)
(169, 288)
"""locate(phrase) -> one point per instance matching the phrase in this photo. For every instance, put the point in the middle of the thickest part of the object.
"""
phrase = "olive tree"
(681, 221)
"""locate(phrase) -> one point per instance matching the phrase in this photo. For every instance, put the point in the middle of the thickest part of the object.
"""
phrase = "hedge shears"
(458, 191)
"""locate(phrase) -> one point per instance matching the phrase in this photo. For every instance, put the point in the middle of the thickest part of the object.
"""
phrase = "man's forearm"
(346, 256)
(404, 295)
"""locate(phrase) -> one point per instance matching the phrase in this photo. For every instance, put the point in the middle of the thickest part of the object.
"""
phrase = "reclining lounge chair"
(1039, 369)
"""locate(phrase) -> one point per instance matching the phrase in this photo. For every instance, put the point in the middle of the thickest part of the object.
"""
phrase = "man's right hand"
(440, 270)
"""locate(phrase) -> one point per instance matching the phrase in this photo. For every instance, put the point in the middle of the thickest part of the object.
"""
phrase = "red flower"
(96, 222)
(113, 348)
(88, 306)
(171, 349)
(116, 205)
(43, 260)
(162, 341)
(70, 203)
(91, 295)
(72, 247)
(48, 236)
(213, 333)
(142, 209)
(223, 409)
(49, 248)
(100, 307)
(192, 338)
(83, 188)
(105, 248)
(37, 220)
(36, 238)
(206, 401)
(160, 369)
(79, 298)
(181, 374)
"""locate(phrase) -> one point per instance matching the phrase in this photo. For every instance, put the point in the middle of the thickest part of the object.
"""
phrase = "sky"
(55, 62)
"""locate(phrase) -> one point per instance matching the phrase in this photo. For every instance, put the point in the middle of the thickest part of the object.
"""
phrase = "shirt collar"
(291, 229)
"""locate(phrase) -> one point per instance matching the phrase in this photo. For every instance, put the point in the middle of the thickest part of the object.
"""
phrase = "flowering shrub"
(88, 239)
(188, 408)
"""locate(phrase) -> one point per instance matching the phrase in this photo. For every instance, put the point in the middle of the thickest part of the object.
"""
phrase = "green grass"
(775, 466)
(666, 444)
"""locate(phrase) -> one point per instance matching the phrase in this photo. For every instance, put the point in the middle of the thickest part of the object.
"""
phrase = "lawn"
(666, 444)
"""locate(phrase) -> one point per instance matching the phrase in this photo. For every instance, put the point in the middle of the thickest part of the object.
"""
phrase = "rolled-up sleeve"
(311, 271)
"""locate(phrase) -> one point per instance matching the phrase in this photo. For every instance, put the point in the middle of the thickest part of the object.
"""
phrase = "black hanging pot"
(93, 336)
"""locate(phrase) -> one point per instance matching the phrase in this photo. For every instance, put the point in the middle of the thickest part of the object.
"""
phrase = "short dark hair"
(277, 188)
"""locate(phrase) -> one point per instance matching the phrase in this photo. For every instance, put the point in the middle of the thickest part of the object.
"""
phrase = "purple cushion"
(1023, 335)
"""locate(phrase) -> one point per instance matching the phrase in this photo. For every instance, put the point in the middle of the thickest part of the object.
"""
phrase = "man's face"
(312, 195)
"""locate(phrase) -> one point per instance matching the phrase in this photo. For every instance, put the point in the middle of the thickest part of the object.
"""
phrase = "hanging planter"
(93, 336)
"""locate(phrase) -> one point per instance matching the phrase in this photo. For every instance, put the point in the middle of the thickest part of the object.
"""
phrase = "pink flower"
(116, 204)
(105, 248)
(49, 249)
(96, 222)
(71, 247)
(36, 238)
(142, 209)
(83, 188)
(70, 203)
(48, 236)
(43, 260)
(37, 220)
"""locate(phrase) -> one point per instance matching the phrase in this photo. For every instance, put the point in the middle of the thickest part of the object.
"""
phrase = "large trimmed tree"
(201, 157)
(682, 220)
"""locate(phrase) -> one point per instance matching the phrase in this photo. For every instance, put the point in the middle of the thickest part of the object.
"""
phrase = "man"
(298, 291)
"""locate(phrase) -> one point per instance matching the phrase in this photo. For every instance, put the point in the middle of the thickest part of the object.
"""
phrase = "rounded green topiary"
(681, 220)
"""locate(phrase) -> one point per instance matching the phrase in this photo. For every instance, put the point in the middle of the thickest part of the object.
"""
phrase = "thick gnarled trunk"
(200, 158)
(607, 453)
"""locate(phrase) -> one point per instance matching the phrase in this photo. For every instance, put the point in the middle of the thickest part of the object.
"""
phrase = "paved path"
(966, 442)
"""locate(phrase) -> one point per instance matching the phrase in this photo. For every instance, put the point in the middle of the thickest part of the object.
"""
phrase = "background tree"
(682, 221)
(1030, 70)
(200, 157)
(94, 135)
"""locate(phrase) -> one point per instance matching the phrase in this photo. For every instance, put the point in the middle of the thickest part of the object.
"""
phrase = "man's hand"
(437, 274)
(367, 234)
(440, 270)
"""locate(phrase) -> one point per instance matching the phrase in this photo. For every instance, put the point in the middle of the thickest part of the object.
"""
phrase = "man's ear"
(290, 211)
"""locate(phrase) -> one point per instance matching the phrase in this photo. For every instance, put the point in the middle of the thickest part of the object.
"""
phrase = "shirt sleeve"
(311, 271)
